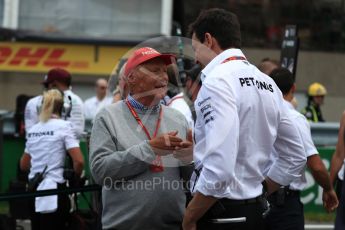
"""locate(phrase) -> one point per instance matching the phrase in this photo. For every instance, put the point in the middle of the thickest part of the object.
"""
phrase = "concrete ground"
(319, 226)
(25, 225)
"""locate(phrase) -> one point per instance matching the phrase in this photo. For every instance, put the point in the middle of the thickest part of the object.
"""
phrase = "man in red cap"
(132, 150)
(73, 105)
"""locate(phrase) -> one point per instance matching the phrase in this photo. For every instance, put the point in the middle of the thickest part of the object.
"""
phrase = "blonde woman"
(45, 152)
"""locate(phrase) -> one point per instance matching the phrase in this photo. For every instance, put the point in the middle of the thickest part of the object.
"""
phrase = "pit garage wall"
(23, 66)
(326, 68)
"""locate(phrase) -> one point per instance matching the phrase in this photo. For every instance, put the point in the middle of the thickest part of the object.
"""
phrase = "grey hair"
(122, 73)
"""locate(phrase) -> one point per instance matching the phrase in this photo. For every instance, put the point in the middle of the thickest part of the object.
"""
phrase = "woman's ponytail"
(52, 104)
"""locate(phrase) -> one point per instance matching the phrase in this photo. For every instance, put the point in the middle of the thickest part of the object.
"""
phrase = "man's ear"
(188, 82)
(212, 43)
(208, 40)
(130, 78)
(293, 88)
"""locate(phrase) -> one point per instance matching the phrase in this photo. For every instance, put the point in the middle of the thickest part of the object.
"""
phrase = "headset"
(67, 107)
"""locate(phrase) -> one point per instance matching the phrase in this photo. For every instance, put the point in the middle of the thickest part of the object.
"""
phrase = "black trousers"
(51, 221)
(340, 219)
(338, 188)
(252, 211)
(289, 216)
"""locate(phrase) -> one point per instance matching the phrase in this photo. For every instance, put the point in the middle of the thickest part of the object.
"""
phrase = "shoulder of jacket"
(35, 99)
(61, 122)
(171, 112)
(110, 110)
(298, 115)
(75, 98)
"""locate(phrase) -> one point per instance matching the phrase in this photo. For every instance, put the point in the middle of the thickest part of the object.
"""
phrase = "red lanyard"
(157, 164)
(234, 58)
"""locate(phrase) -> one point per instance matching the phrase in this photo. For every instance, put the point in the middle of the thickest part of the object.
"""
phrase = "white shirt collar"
(102, 100)
(178, 95)
(289, 105)
(67, 91)
(218, 60)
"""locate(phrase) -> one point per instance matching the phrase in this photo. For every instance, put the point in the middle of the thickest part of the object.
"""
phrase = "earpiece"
(67, 107)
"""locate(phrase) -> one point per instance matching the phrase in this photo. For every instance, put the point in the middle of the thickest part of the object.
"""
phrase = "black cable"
(48, 192)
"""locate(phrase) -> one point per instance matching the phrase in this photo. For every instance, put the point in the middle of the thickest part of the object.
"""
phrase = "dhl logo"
(43, 56)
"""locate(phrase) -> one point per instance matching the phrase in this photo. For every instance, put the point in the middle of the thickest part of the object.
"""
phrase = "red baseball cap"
(57, 74)
(144, 54)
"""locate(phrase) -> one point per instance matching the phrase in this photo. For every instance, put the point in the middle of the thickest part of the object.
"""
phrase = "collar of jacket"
(137, 105)
(218, 60)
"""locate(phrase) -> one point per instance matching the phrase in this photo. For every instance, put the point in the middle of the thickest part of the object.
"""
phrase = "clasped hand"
(170, 143)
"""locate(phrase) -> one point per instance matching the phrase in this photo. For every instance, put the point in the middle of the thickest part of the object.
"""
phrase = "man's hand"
(330, 200)
(184, 152)
(190, 135)
(188, 226)
(165, 144)
(272, 186)
(197, 207)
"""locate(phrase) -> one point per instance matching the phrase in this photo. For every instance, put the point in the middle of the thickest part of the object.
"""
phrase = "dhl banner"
(40, 57)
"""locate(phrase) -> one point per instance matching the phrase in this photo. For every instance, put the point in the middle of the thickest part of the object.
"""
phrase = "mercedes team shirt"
(303, 128)
(32, 110)
(240, 118)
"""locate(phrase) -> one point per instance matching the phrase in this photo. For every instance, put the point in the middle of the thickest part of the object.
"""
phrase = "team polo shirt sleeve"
(291, 154)
(217, 115)
(304, 129)
(26, 149)
(31, 113)
(77, 113)
(69, 136)
(26, 144)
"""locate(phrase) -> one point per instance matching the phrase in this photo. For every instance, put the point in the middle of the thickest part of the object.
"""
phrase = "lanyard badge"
(157, 164)
(233, 58)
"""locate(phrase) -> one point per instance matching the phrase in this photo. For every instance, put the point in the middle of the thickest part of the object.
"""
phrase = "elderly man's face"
(123, 87)
(151, 80)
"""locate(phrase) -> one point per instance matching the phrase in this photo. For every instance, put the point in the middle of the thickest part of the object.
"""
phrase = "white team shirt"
(178, 103)
(341, 172)
(47, 144)
(31, 112)
(92, 106)
(303, 128)
(33, 106)
(240, 117)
